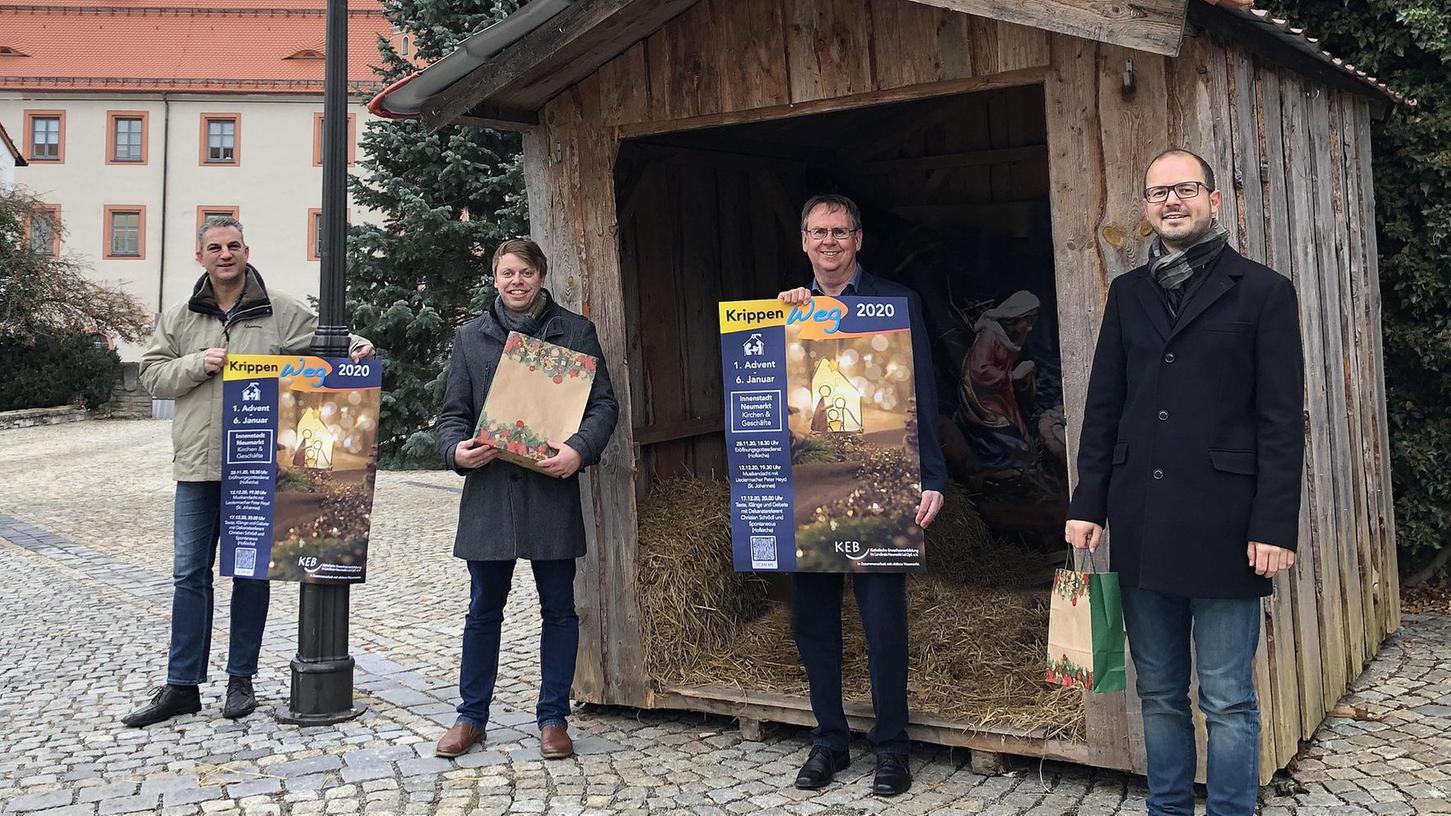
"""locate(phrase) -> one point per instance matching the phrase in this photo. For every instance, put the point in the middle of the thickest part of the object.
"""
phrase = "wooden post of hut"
(669, 144)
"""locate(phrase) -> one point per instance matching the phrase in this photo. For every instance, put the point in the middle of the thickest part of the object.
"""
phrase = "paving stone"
(254, 787)
(363, 773)
(108, 791)
(423, 765)
(129, 804)
(304, 767)
(38, 801)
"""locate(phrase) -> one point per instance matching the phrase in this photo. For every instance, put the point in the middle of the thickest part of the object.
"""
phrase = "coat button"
(1169, 358)
(1163, 415)
(1158, 474)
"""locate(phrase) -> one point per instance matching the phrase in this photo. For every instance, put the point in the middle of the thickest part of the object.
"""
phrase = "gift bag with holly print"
(537, 396)
(1086, 629)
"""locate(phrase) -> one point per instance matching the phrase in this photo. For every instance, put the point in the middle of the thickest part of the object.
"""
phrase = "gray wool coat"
(508, 511)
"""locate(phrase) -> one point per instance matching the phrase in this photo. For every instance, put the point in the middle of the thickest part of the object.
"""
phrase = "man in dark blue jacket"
(1192, 450)
(831, 236)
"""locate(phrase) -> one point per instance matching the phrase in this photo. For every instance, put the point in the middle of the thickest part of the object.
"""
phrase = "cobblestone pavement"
(85, 560)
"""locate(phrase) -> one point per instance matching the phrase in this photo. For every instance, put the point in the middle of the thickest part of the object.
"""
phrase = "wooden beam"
(495, 118)
(785, 708)
(660, 432)
(974, 158)
(1147, 25)
(674, 154)
(558, 54)
(1007, 79)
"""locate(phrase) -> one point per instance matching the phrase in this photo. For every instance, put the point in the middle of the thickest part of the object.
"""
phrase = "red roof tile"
(238, 46)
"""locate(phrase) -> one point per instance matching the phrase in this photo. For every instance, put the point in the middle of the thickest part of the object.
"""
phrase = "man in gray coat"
(510, 512)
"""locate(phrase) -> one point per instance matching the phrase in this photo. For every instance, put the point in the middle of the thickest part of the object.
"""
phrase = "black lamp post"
(322, 671)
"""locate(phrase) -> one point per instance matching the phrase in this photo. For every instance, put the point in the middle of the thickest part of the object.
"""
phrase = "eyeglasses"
(1184, 190)
(839, 233)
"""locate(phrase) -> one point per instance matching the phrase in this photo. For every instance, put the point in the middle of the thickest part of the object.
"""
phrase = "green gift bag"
(1086, 630)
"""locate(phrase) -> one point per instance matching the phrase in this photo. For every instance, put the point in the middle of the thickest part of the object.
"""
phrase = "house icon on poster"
(754, 346)
(838, 401)
(252, 393)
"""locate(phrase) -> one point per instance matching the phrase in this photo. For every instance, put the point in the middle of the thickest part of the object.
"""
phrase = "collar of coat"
(550, 321)
(1222, 276)
(862, 283)
(254, 301)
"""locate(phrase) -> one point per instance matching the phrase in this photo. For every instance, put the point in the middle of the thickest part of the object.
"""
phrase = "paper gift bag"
(1086, 631)
(538, 394)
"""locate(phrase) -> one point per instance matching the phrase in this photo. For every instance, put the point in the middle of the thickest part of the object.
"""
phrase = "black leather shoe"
(240, 699)
(893, 775)
(168, 702)
(821, 766)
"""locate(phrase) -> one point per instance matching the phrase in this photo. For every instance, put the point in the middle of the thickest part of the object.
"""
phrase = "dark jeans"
(1225, 633)
(881, 597)
(197, 521)
(558, 638)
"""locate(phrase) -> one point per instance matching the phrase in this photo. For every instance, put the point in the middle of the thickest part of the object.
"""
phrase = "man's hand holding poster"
(821, 435)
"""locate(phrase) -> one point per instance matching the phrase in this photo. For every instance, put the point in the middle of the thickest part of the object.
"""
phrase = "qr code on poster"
(245, 561)
(763, 552)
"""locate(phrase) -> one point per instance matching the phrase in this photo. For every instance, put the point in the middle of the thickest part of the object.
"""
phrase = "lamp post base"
(322, 692)
(322, 670)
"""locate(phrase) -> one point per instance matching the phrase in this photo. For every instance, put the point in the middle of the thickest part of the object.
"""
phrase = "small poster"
(821, 435)
(538, 395)
(299, 456)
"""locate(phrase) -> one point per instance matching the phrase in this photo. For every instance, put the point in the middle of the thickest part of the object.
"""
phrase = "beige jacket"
(171, 368)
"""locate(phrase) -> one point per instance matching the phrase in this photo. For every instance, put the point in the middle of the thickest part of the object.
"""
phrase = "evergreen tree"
(447, 199)
(1407, 44)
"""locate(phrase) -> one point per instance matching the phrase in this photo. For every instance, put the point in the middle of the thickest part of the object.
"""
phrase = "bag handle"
(1070, 561)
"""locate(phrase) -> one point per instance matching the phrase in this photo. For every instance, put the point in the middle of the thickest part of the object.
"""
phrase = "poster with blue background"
(821, 435)
(299, 458)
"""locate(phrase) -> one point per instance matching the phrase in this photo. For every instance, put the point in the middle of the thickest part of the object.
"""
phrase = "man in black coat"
(831, 236)
(1192, 450)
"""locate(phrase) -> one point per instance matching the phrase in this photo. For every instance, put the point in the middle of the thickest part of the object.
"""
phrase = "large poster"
(821, 435)
(299, 455)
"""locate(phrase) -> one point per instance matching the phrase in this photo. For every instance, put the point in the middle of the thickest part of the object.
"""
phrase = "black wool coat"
(508, 511)
(1193, 436)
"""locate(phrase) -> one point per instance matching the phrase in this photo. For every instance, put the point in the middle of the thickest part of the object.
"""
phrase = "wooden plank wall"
(697, 235)
(1293, 158)
(1299, 195)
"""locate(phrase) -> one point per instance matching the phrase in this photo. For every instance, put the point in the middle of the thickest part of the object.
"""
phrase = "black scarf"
(526, 323)
(1174, 269)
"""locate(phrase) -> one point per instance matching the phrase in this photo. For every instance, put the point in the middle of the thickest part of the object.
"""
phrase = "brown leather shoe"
(458, 739)
(554, 742)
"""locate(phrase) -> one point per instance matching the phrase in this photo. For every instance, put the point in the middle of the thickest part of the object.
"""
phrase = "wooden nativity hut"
(668, 145)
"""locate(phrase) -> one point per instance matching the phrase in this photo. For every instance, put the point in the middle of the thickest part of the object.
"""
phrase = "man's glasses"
(820, 233)
(1184, 190)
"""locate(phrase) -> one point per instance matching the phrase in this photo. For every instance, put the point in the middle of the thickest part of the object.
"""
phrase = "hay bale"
(975, 651)
(691, 598)
(961, 550)
(975, 656)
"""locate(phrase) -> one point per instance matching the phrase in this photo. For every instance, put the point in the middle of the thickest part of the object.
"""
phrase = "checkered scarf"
(1174, 269)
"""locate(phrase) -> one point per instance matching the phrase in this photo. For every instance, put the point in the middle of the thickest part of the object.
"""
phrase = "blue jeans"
(1225, 634)
(197, 522)
(558, 638)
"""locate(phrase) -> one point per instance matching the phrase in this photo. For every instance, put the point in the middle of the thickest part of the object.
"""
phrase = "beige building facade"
(133, 177)
(137, 120)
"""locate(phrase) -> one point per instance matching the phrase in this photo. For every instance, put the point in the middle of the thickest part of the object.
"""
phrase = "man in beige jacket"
(230, 311)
